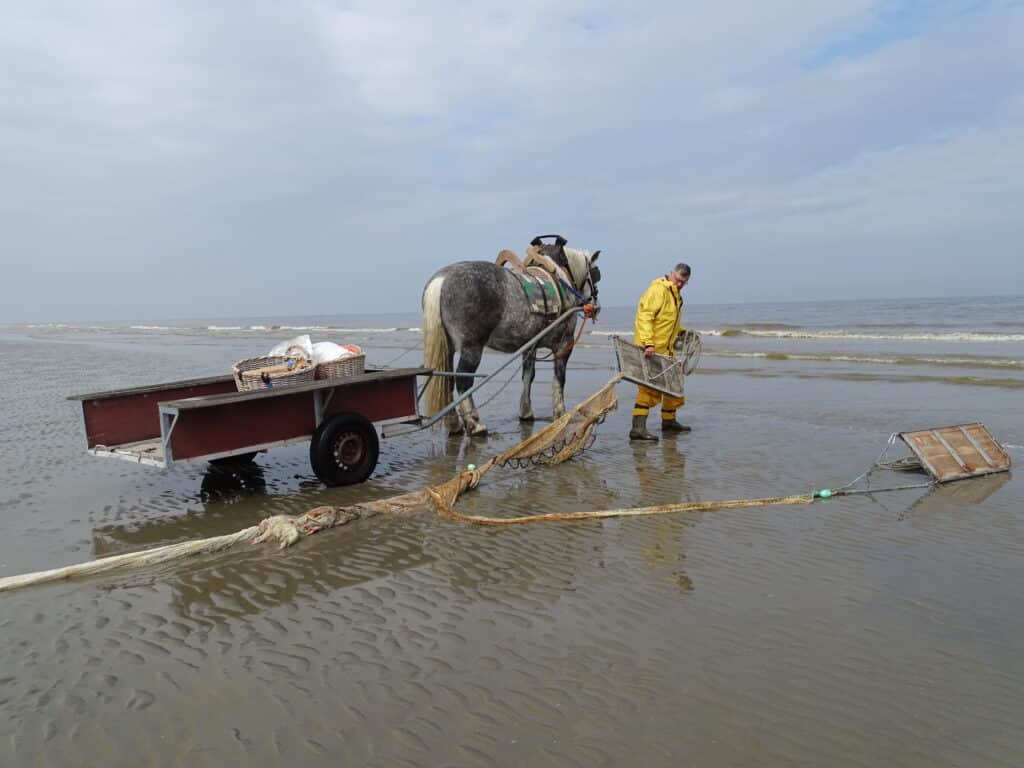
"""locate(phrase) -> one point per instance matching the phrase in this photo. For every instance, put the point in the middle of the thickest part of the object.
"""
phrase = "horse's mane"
(579, 264)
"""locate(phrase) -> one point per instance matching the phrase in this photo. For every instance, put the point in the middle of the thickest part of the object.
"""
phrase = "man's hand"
(649, 351)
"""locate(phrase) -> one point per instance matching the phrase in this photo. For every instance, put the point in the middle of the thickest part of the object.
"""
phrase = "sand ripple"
(858, 632)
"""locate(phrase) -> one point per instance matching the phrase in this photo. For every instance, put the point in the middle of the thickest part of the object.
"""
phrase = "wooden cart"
(209, 419)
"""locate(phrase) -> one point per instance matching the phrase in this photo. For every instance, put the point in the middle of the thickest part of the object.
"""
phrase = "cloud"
(261, 146)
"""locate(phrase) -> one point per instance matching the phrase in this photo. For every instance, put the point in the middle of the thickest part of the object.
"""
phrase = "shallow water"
(862, 631)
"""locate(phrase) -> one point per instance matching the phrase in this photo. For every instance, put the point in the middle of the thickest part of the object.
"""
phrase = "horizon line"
(416, 312)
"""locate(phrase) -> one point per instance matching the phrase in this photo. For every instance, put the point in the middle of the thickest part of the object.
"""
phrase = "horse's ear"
(596, 254)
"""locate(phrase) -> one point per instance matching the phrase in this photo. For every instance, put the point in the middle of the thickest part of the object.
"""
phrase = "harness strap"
(543, 295)
(579, 296)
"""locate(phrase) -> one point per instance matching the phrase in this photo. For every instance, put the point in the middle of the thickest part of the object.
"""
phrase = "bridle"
(578, 286)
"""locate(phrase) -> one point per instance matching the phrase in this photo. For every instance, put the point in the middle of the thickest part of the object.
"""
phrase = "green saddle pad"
(542, 293)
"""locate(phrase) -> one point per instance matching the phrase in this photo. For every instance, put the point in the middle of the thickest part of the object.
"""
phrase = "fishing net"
(567, 436)
(560, 441)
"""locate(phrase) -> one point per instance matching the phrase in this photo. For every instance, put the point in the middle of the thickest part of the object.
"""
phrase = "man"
(657, 326)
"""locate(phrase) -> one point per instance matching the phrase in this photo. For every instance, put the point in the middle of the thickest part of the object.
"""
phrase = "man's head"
(680, 275)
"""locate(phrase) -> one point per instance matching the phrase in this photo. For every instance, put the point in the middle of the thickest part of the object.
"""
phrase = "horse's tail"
(437, 353)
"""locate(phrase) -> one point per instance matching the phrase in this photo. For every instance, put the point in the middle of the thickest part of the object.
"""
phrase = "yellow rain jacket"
(657, 316)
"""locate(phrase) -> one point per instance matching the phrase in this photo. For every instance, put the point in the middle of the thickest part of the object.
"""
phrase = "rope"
(661, 509)
(854, 491)
(690, 350)
(503, 387)
(401, 354)
(866, 476)
(904, 464)
(566, 437)
(564, 355)
(667, 370)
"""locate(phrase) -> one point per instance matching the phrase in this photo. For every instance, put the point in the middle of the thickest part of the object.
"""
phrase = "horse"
(470, 305)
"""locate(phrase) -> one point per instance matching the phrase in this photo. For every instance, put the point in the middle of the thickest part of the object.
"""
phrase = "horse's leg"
(529, 371)
(469, 361)
(452, 422)
(558, 386)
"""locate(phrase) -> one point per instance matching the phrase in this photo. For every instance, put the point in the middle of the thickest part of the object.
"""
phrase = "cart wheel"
(344, 449)
(242, 458)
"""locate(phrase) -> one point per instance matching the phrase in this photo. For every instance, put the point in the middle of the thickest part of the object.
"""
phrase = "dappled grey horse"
(470, 305)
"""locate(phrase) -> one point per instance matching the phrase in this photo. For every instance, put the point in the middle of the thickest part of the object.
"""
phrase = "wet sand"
(863, 631)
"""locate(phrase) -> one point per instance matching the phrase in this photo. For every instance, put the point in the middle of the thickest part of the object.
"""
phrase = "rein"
(573, 291)
(587, 311)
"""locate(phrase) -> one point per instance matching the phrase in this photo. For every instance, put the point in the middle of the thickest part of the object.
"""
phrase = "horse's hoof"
(529, 418)
(478, 431)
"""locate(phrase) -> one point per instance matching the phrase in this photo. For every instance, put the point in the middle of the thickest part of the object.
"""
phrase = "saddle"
(541, 279)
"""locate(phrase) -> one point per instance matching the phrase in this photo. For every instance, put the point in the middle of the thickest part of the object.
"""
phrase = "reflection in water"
(959, 493)
(229, 482)
(214, 520)
(247, 580)
(661, 472)
(224, 492)
(661, 477)
(248, 583)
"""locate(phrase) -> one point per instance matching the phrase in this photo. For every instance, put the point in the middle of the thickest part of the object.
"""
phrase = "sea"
(876, 629)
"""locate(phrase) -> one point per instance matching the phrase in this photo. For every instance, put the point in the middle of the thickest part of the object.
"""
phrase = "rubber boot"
(639, 430)
(673, 426)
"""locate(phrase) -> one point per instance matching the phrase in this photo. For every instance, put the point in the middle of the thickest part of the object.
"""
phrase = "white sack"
(328, 352)
(300, 346)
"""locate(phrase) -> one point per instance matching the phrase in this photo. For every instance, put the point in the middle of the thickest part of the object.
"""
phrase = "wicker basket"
(248, 377)
(340, 369)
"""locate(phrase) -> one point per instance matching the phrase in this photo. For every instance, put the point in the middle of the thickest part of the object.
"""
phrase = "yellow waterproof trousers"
(648, 398)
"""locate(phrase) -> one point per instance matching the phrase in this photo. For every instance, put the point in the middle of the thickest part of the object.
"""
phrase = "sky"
(195, 159)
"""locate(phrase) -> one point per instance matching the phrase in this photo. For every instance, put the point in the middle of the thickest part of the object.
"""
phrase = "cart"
(209, 419)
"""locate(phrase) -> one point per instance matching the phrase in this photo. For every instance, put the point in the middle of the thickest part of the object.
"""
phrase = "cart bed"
(209, 419)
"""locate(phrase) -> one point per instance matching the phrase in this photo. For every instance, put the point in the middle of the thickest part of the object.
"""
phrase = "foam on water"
(839, 335)
(966, 362)
(956, 337)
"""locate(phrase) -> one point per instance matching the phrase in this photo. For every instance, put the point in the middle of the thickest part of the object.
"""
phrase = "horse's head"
(580, 265)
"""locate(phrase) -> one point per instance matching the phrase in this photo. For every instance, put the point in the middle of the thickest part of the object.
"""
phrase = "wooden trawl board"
(953, 453)
(659, 372)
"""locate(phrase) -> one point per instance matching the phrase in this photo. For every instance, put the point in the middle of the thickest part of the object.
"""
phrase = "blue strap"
(573, 291)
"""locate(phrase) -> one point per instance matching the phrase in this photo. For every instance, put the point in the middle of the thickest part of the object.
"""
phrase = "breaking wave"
(306, 328)
(956, 336)
(753, 330)
(996, 363)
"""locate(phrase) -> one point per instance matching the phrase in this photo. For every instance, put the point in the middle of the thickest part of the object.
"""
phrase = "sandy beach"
(863, 631)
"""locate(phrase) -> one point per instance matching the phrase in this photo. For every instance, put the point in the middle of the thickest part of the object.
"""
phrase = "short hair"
(683, 269)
